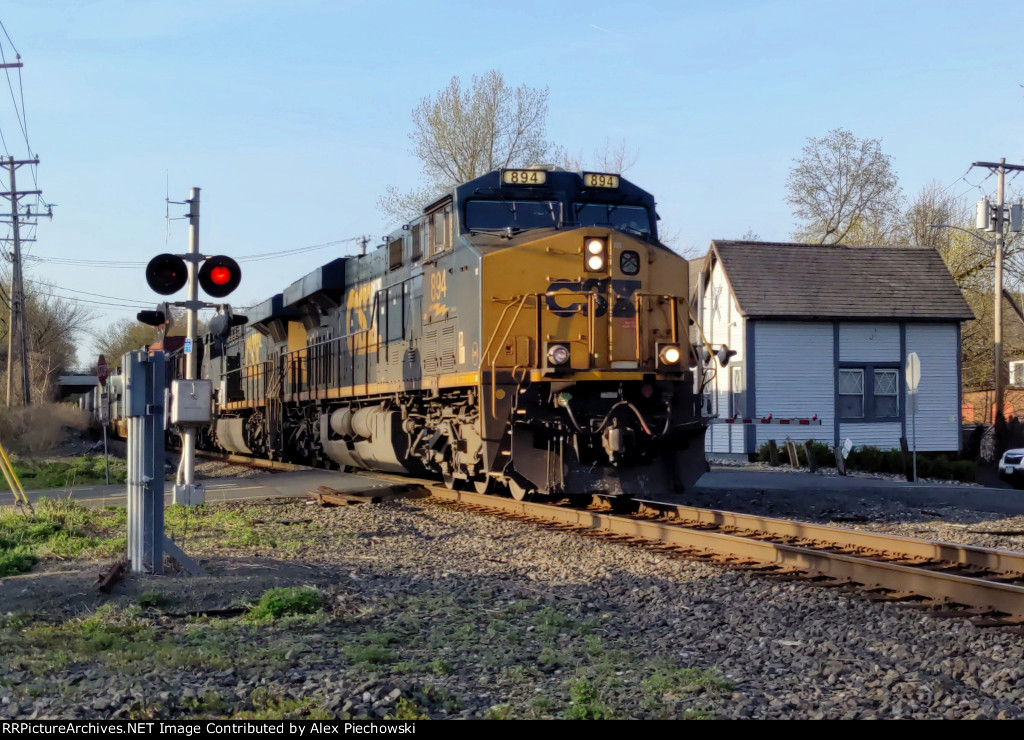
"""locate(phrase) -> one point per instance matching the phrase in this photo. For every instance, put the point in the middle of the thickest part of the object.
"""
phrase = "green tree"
(844, 190)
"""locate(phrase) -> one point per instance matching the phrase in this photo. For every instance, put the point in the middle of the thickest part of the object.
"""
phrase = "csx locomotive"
(527, 332)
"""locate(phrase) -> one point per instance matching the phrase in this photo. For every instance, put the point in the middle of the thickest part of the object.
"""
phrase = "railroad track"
(949, 579)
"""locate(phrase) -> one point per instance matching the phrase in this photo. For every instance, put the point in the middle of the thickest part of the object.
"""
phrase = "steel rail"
(989, 595)
(982, 558)
(994, 595)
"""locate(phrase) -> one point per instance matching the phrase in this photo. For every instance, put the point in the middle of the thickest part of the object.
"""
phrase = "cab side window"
(441, 230)
(395, 248)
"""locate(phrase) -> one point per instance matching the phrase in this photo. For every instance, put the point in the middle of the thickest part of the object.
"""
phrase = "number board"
(523, 177)
(600, 180)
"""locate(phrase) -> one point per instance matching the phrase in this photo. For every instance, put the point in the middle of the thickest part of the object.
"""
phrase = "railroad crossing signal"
(218, 276)
(101, 371)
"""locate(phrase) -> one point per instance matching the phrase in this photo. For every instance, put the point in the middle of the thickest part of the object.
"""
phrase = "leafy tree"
(461, 133)
(844, 190)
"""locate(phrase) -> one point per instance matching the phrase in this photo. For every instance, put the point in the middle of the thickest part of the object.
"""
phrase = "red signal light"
(219, 276)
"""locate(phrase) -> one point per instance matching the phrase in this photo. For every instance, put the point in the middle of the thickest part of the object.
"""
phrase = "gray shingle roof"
(840, 282)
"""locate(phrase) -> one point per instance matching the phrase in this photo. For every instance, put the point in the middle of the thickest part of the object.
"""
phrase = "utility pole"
(994, 219)
(17, 322)
(188, 494)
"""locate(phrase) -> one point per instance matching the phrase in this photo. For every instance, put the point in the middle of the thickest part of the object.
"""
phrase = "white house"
(825, 330)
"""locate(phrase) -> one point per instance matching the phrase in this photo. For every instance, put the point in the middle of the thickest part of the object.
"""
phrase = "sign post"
(101, 375)
(913, 380)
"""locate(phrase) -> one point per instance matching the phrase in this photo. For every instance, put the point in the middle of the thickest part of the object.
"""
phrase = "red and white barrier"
(813, 421)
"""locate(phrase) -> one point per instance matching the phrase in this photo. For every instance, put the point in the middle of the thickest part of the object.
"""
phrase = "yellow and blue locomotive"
(528, 331)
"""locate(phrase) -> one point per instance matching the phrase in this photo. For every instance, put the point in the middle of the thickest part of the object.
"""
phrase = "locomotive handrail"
(520, 303)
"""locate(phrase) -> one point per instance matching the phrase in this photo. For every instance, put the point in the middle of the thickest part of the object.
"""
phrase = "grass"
(63, 473)
(59, 529)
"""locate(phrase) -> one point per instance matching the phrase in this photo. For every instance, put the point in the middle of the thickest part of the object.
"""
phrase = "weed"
(541, 707)
(441, 667)
(500, 711)
(407, 709)
(267, 706)
(586, 702)
(371, 654)
(151, 599)
(281, 602)
(668, 685)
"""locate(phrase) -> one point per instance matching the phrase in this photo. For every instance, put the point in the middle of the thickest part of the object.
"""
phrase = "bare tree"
(844, 190)
(53, 325)
(934, 204)
(459, 134)
(124, 335)
(614, 157)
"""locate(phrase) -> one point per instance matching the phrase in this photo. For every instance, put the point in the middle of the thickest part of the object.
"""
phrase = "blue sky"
(294, 116)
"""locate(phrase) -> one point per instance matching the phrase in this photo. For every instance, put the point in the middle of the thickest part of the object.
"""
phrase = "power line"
(83, 292)
(119, 264)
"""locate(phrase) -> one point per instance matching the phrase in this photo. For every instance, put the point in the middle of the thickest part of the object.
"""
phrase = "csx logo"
(565, 304)
(359, 316)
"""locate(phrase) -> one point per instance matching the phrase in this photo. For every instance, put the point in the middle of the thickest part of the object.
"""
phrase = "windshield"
(634, 219)
(486, 215)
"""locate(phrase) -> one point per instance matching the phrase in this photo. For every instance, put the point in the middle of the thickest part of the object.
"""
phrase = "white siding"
(869, 342)
(723, 324)
(938, 416)
(883, 435)
(793, 362)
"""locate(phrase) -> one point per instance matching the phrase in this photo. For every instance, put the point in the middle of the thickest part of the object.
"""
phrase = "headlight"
(558, 354)
(595, 254)
(669, 356)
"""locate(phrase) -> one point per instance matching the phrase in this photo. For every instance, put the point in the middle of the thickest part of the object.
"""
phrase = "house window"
(886, 394)
(739, 407)
(851, 394)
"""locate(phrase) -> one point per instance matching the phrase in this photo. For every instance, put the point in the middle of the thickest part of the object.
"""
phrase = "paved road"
(795, 490)
(270, 485)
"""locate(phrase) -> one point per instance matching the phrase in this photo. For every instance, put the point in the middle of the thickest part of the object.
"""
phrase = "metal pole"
(913, 430)
(998, 333)
(188, 494)
(106, 458)
(12, 324)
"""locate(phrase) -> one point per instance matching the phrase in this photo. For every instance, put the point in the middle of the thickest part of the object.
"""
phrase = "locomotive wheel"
(450, 481)
(519, 488)
(486, 485)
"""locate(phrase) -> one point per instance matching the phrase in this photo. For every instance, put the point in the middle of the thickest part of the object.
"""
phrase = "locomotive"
(528, 332)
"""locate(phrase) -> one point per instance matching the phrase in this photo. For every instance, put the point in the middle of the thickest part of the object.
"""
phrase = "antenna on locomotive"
(363, 241)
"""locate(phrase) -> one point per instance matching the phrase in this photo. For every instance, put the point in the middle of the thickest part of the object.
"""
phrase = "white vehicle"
(1011, 467)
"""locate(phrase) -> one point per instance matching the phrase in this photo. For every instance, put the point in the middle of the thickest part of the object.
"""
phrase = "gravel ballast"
(436, 612)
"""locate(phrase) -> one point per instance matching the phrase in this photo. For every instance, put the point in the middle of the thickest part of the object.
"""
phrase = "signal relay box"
(191, 401)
